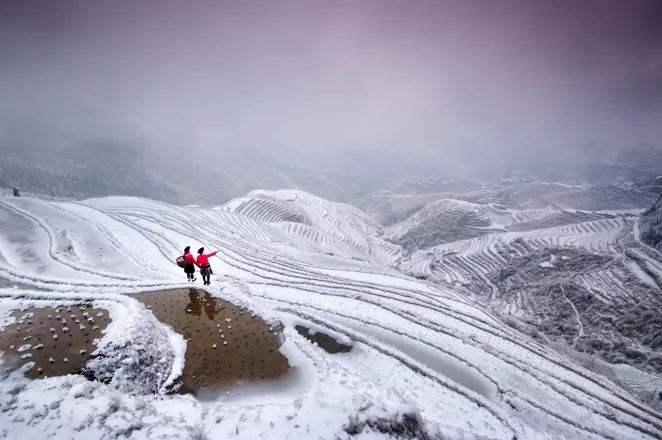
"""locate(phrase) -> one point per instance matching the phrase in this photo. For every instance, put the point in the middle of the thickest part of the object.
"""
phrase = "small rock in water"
(213, 346)
(26, 355)
(40, 371)
(65, 329)
(81, 327)
(55, 337)
(51, 360)
(82, 352)
(38, 347)
(66, 360)
(52, 330)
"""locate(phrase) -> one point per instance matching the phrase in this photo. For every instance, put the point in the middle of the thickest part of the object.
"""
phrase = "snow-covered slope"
(532, 195)
(650, 227)
(579, 277)
(328, 227)
(427, 360)
(95, 169)
(439, 222)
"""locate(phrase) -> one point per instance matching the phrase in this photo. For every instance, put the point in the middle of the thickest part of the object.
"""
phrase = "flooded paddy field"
(58, 340)
(226, 344)
(326, 342)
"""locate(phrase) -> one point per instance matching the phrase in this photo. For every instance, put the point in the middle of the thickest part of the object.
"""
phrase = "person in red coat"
(189, 264)
(203, 263)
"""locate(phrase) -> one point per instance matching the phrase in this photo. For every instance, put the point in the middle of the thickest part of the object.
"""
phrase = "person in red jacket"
(189, 264)
(203, 263)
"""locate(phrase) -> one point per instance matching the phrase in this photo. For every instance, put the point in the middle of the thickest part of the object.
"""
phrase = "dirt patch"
(59, 340)
(225, 343)
(328, 343)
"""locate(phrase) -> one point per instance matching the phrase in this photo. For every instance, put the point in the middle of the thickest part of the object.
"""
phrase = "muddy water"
(225, 343)
(59, 340)
(326, 342)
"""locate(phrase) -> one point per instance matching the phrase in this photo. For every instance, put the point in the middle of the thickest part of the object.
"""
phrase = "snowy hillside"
(580, 277)
(96, 169)
(534, 195)
(426, 359)
(650, 227)
(439, 222)
(328, 227)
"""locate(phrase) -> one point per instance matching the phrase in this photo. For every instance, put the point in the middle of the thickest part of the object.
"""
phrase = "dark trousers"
(190, 272)
(205, 271)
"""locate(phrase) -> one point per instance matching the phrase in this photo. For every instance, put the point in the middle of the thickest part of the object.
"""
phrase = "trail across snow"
(580, 326)
(422, 351)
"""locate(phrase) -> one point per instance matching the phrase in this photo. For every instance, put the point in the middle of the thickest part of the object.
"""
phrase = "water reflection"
(198, 303)
(232, 346)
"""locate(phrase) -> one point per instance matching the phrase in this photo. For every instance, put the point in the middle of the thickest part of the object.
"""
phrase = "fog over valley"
(333, 98)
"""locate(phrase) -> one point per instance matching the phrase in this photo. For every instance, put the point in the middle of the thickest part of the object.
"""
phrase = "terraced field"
(428, 358)
(580, 277)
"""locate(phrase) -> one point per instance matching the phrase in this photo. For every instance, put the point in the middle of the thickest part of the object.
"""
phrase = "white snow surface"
(420, 348)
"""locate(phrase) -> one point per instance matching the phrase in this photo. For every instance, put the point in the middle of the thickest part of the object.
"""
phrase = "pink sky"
(436, 77)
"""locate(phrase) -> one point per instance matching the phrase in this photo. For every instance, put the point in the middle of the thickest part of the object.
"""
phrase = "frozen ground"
(428, 360)
(581, 277)
(651, 225)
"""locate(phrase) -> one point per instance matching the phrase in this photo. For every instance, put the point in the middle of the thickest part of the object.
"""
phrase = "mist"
(367, 90)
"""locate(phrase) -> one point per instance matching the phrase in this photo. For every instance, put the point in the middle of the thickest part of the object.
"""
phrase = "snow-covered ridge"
(422, 352)
(439, 222)
(331, 227)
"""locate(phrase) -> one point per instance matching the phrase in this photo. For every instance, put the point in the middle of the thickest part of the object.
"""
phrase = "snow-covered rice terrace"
(428, 360)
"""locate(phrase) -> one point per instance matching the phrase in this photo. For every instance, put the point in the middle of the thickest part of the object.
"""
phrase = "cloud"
(443, 81)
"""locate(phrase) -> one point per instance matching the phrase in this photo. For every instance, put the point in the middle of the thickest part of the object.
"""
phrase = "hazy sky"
(440, 79)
